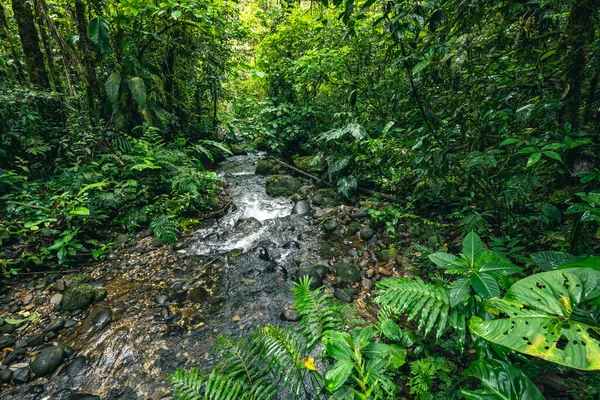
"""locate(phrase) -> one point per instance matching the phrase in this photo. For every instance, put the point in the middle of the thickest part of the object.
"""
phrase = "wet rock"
(27, 299)
(76, 367)
(342, 295)
(20, 344)
(121, 239)
(237, 150)
(266, 167)
(35, 340)
(112, 257)
(77, 278)
(5, 375)
(282, 185)
(301, 207)
(55, 325)
(322, 269)
(370, 273)
(295, 198)
(366, 232)
(291, 244)
(353, 228)
(7, 341)
(290, 315)
(68, 351)
(47, 361)
(156, 242)
(330, 225)
(164, 313)
(59, 285)
(40, 286)
(347, 273)
(161, 299)
(386, 255)
(78, 297)
(98, 319)
(325, 198)
(361, 214)
(21, 375)
(367, 284)
(143, 234)
(99, 295)
(69, 323)
(353, 253)
(316, 282)
(56, 299)
(384, 271)
(197, 294)
(14, 357)
(263, 254)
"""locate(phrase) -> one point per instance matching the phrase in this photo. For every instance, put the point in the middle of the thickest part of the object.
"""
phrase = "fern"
(164, 228)
(387, 327)
(195, 385)
(416, 297)
(319, 313)
(424, 373)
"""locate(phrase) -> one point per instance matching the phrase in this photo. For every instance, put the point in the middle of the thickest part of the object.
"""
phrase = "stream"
(166, 306)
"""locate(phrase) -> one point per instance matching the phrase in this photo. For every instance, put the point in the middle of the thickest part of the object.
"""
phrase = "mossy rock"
(347, 273)
(78, 297)
(282, 185)
(266, 167)
(99, 295)
(260, 143)
(386, 255)
(330, 225)
(353, 228)
(325, 198)
(78, 278)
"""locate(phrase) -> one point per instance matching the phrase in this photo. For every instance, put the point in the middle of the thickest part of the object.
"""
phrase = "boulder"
(266, 167)
(309, 163)
(21, 375)
(325, 198)
(366, 232)
(347, 273)
(353, 228)
(78, 297)
(282, 185)
(47, 361)
(316, 282)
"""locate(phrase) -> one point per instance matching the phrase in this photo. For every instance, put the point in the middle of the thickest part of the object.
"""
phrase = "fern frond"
(165, 228)
(195, 385)
(319, 313)
(413, 296)
(285, 350)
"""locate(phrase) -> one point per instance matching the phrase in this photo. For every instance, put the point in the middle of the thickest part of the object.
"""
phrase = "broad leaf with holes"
(552, 315)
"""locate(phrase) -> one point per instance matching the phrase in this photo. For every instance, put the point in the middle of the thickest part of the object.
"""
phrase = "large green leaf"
(551, 315)
(100, 34)
(472, 248)
(112, 87)
(138, 90)
(460, 288)
(500, 381)
(485, 285)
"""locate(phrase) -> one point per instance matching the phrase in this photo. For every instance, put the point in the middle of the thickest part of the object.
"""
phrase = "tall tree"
(40, 11)
(578, 34)
(87, 48)
(11, 45)
(30, 42)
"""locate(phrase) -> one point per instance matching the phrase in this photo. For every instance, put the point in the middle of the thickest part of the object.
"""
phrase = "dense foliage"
(479, 120)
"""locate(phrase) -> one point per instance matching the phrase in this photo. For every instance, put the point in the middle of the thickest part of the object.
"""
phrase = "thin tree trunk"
(40, 11)
(11, 46)
(578, 34)
(31, 46)
(87, 48)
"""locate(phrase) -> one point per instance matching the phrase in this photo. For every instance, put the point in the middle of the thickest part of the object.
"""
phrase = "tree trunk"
(11, 46)
(87, 49)
(40, 11)
(31, 46)
(578, 34)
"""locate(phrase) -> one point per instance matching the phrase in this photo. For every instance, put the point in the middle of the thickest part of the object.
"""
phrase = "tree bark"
(11, 46)
(30, 42)
(578, 34)
(40, 11)
(87, 49)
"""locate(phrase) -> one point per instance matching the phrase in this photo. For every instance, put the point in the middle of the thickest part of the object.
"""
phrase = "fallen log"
(359, 189)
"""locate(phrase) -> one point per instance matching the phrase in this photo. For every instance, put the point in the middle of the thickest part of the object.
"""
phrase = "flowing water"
(229, 276)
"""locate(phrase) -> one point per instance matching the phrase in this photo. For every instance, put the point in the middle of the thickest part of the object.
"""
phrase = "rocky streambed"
(119, 328)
